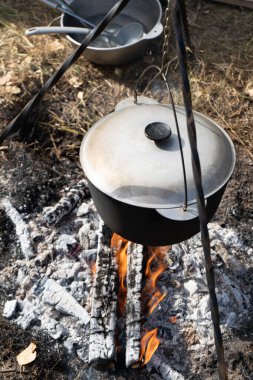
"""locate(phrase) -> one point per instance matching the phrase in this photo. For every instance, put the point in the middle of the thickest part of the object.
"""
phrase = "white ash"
(10, 308)
(164, 368)
(64, 243)
(61, 271)
(57, 330)
(29, 313)
(183, 318)
(53, 287)
(189, 296)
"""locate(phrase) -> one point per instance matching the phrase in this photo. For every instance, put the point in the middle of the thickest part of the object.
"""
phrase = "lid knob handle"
(157, 131)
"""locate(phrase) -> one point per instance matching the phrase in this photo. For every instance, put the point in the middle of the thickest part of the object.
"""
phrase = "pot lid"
(133, 155)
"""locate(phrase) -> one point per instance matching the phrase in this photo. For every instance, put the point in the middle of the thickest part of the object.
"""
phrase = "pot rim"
(176, 205)
(153, 33)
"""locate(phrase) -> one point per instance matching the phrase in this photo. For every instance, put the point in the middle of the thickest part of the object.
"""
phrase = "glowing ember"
(173, 319)
(149, 345)
(119, 246)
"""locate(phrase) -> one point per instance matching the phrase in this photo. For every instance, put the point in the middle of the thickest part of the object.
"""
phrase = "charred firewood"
(133, 304)
(161, 365)
(22, 229)
(75, 196)
(57, 296)
(102, 350)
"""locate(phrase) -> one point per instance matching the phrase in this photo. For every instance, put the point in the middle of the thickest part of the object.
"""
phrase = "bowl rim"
(146, 36)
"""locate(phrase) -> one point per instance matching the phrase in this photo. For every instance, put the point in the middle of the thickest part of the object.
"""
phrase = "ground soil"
(35, 169)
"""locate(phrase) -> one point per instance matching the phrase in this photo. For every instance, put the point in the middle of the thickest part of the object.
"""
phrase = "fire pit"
(51, 264)
(110, 300)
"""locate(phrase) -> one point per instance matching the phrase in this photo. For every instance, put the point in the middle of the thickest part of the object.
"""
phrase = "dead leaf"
(12, 89)
(28, 355)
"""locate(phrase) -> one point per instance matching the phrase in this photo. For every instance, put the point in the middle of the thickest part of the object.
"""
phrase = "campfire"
(114, 301)
(135, 301)
(125, 285)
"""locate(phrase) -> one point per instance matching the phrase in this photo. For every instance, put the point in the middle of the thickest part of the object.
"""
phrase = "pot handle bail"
(160, 72)
(179, 214)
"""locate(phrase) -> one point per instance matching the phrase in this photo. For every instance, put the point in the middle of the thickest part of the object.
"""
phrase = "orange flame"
(155, 300)
(93, 268)
(119, 246)
(149, 345)
(152, 276)
(154, 267)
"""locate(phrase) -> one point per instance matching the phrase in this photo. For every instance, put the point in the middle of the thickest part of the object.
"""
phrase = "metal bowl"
(146, 12)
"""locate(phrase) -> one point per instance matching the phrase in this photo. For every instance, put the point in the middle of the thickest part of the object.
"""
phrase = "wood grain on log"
(75, 196)
(133, 304)
(102, 349)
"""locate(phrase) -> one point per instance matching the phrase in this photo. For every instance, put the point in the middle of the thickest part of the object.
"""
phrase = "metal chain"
(166, 38)
(163, 77)
(163, 73)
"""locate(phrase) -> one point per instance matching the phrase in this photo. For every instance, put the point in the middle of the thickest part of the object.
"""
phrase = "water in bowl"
(104, 41)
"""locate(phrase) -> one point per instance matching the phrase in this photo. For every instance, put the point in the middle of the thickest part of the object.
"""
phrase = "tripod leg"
(185, 25)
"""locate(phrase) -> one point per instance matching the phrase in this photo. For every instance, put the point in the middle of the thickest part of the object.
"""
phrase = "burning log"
(133, 303)
(22, 229)
(78, 192)
(161, 365)
(104, 304)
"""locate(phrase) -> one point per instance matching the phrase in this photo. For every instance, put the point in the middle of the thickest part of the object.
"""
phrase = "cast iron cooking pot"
(136, 179)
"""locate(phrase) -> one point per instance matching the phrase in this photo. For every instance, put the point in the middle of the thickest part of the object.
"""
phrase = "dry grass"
(221, 73)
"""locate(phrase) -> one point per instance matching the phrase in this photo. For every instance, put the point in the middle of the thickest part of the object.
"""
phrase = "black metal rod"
(20, 121)
(181, 51)
(185, 24)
